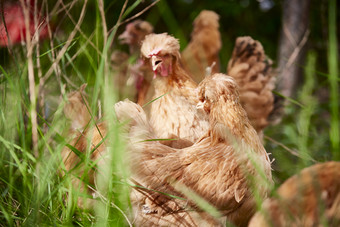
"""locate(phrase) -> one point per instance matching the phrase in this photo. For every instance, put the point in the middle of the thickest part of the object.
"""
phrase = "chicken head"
(217, 85)
(134, 34)
(161, 50)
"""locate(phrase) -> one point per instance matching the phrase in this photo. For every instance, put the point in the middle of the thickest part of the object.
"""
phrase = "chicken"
(203, 49)
(224, 167)
(74, 156)
(310, 198)
(77, 112)
(248, 65)
(76, 109)
(139, 74)
(174, 114)
(134, 33)
(251, 69)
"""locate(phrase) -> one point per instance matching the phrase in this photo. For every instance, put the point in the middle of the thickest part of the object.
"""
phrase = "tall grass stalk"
(300, 139)
(333, 79)
(32, 90)
(306, 113)
(32, 190)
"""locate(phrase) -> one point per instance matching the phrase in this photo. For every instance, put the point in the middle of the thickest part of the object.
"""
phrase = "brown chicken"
(74, 158)
(248, 65)
(203, 50)
(77, 112)
(174, 114)
(310, 198)
(225, 167)
(76, 109)
(134, 34)
(251, 69)
(139, 74)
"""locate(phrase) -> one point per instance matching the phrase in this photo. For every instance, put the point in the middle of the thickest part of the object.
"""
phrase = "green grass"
(32, 191)
(301, 139)
(333, 66)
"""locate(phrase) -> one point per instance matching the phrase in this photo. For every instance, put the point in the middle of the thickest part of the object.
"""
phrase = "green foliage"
(32, 189)
(302, 130)
(334, 80)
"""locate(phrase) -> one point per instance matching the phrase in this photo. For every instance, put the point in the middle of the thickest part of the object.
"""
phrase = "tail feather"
(148, 154)
(251, 69)
(139, 128)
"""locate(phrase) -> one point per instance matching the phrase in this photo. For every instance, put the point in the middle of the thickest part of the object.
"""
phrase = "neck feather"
(178, 78)
(228, 118)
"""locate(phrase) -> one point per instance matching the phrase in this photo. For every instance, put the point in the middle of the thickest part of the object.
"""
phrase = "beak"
(124, 38)
(155, 60)
(200, 105)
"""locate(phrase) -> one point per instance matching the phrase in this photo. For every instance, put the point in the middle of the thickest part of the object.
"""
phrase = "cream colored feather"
(174, 114)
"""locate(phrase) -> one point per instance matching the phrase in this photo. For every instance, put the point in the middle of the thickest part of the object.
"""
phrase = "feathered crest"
(160, 44)
(217, 85)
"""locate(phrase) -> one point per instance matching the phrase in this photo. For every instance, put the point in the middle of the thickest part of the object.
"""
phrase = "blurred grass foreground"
(49, 48)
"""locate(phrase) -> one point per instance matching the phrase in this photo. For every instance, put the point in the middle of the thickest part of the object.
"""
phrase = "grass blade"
(333, 79)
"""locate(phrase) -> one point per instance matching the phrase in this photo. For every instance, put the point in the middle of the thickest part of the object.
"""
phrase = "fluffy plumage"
(160, 44)
(204, 47)
(309, 198)
(217, 167)
(251, 69)
(174, 114)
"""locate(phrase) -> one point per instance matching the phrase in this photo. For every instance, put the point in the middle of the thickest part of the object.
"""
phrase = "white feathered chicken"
(174, 114)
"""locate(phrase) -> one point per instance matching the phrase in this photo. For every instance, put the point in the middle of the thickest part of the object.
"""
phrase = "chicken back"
(203, 50)
(310, 198)
(251, 69)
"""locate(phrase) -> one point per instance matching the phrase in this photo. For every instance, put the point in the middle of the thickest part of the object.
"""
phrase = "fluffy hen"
(174, 114)
(224, 166)
(203, 50)
(251, 69)
(310, 198)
